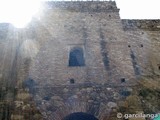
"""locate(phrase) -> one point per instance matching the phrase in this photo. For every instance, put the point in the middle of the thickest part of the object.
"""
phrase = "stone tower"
(91, 32)
(83, 54)
(79, 57)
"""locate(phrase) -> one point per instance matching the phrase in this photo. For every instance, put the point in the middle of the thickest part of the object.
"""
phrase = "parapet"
(83, 6)
(153, 25)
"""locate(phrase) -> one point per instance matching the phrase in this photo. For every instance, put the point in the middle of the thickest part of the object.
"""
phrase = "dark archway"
(80, 116)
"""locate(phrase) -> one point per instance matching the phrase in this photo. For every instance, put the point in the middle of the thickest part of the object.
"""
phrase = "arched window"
(76, 57)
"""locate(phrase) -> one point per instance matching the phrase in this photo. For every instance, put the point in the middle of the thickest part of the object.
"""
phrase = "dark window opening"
(109, 15)
(76, 57)
(111, 7)
(72, 81)
(47, 98)
(129, 45)
(159, 67)
(123, 80)
(141, 45)
(80, 116)
(125, 92)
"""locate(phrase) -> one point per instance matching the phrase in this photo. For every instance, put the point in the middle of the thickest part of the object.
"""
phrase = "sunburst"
(18, 12)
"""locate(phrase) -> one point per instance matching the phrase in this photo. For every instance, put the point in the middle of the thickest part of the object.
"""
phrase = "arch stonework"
(80, 116)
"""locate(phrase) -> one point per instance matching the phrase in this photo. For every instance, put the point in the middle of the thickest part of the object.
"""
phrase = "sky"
(19, 12)
(139, 9)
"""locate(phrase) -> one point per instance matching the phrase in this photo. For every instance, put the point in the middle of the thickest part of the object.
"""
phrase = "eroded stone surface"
(121, 72)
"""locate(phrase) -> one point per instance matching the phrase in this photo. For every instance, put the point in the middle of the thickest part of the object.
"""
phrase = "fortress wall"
(116, 52)
(99, 33)
(144, 42)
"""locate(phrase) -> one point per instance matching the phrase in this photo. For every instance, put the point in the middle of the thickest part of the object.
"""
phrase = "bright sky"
(139, 9)
(18, 12)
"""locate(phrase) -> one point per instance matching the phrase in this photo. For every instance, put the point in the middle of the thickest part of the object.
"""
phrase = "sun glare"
(18, 12)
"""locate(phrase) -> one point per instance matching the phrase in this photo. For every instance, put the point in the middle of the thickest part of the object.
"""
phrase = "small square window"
(123, 80)
(72, 81)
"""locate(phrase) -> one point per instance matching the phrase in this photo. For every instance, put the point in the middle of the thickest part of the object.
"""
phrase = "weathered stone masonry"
(116, 54)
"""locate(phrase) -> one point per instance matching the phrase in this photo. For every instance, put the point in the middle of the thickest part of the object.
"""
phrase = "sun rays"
(18, 12)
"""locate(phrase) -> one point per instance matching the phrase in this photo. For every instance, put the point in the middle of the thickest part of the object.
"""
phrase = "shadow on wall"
(30, 84)
(80, 116)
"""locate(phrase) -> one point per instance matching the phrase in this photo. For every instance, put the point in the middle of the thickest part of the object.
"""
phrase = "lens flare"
(18, 12)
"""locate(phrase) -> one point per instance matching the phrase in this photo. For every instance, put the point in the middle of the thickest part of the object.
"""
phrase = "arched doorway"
(80, 116)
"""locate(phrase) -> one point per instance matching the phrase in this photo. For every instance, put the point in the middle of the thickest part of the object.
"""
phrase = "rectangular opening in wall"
(76, 57)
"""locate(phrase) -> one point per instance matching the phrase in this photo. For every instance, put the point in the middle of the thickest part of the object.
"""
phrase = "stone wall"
(101, 36)
(83, 6)
(118, 53)
(144, 42)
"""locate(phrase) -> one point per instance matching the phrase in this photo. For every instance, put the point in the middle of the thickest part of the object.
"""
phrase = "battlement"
(83, 6)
